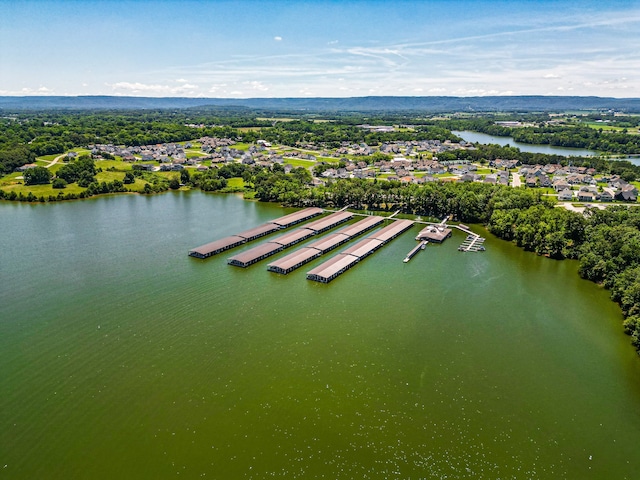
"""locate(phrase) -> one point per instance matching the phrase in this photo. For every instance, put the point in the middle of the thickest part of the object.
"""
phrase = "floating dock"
(416, 249)
(328, 222)
(297, 217)
(473, 243)
(296, 259)
(335, 266)
(218, 246)
(253, 255)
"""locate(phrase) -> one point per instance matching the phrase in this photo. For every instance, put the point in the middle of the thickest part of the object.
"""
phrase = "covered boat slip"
(259, 231)
(392, 230)
(255, 254)
(294, 260)
(264, 250)
(339, 264)
(363, 248)
(258, 253)
(362, 226)
(293, 237)
(329, 221)
(232, 241)
(218, 246)
(297, 217)
(327, 271)
(329, 242)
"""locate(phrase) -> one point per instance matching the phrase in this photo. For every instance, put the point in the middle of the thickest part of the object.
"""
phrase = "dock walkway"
(414, 250)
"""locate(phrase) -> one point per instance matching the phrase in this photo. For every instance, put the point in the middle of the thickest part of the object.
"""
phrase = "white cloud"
(277, 38)
(256, 86)
(120, 88)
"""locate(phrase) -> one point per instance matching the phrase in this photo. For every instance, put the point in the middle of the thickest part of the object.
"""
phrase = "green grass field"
(295, 162)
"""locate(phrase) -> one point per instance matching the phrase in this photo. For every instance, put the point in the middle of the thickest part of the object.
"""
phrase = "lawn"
(235, 182)
(295, 162)
(42, 190)
(48, 158)
(117, 164)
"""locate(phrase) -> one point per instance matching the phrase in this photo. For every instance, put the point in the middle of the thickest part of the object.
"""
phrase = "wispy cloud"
(579, 50)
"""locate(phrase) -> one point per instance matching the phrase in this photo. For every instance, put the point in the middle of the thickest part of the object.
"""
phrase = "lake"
(122, 357)
(474, 137)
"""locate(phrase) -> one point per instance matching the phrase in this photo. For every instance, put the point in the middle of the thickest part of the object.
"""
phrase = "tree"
(59, 183)
(129, 178)
(37, 176)
(185, 177)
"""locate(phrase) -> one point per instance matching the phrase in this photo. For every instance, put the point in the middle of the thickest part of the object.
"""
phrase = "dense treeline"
(333, 135)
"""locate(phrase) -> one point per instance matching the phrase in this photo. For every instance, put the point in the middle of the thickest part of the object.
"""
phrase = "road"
(56, 160)
(516, 181)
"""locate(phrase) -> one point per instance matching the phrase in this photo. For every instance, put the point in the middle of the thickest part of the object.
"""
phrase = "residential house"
(565, 195)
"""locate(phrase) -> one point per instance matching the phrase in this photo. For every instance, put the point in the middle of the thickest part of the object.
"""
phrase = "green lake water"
(122, 357)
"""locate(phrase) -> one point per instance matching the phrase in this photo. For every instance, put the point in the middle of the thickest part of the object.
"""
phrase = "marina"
(337, 265)
(298, 258)
(254, 255)
(328, 222)
(218, 246)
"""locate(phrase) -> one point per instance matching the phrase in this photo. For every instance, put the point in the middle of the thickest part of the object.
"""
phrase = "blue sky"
(320, 48)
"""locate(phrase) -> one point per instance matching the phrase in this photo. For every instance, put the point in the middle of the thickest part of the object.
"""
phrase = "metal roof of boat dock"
(297, 217)
(258, 231)
(363, 248)
(293, 237)
(328, 270)
(362, 226)
(329, 242)
(217, 246)
(294, 260)
(329, 221)
(392, 230)
(255, 254)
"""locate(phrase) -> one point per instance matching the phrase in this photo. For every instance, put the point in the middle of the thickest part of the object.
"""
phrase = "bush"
(59, 183)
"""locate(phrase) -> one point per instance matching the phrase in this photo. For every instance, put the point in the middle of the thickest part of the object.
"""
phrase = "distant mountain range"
(352, 104)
